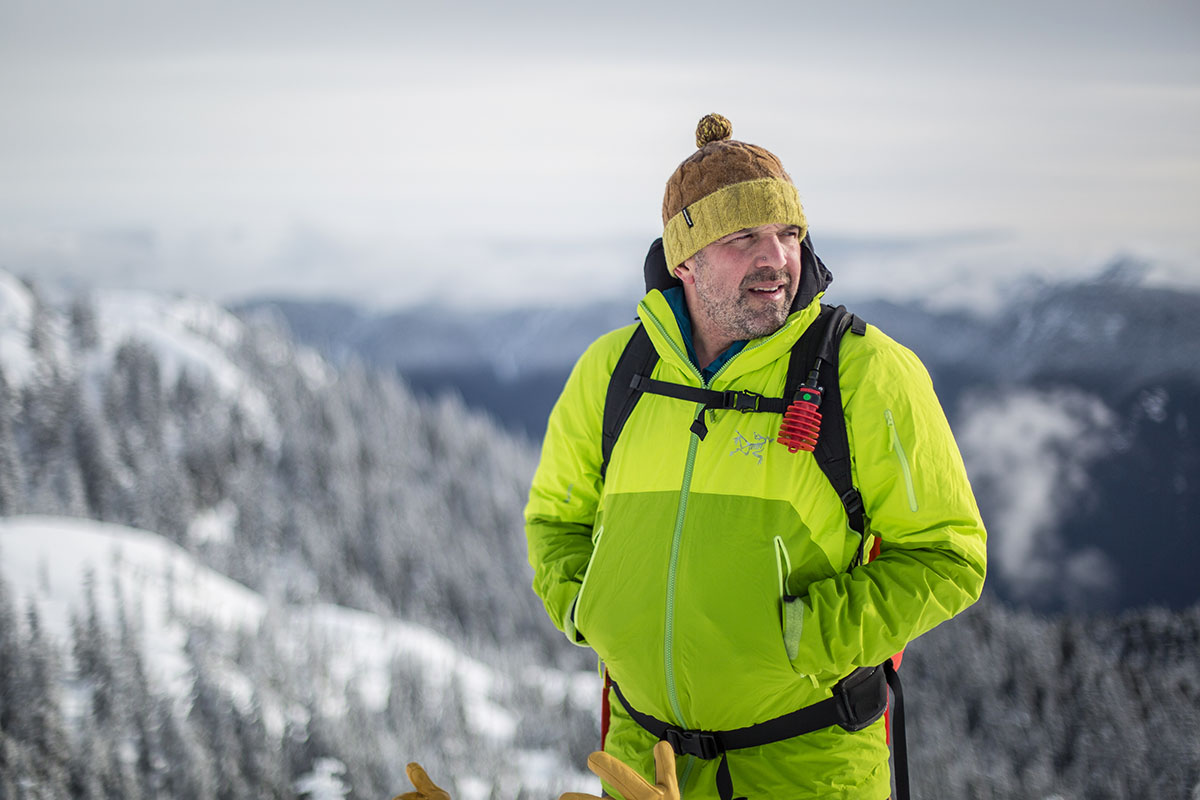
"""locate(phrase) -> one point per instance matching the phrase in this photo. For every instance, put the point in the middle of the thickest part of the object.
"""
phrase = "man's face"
(743, 284)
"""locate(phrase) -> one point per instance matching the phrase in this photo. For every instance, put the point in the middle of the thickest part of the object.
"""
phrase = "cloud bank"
(1028, 452)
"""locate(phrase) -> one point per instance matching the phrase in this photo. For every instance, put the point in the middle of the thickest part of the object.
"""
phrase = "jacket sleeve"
(564, 497)
(919, 504)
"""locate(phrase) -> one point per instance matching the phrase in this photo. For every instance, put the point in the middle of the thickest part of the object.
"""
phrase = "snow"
(471, 788)
(323, 782)
(186, 335)
(45, 560)
(215, 525)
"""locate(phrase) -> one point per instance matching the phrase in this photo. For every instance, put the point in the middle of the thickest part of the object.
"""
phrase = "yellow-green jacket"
(673, 568)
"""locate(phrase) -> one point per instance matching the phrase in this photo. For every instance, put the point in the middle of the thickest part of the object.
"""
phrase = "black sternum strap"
(712, 399)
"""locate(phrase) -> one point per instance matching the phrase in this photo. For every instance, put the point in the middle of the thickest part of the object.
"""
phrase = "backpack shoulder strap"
(815, 358)
(637, 360)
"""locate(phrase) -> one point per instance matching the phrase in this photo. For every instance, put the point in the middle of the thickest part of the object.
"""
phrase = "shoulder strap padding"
(818, 350)
(637, 359)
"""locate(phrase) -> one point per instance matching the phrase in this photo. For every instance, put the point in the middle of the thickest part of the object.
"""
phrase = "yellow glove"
(631, 785)
(426, 789)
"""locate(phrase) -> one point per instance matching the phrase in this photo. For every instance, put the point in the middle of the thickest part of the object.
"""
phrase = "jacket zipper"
(677, 536)
(681, 513)
(896, 446)
(683, 356)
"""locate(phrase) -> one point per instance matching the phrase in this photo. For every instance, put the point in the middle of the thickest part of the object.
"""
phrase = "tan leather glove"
(426, 789)
(631, 785)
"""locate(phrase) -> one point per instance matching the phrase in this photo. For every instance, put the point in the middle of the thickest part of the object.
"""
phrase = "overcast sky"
(393, 152)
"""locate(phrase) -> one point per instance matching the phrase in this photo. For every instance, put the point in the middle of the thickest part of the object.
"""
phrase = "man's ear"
(686, 271)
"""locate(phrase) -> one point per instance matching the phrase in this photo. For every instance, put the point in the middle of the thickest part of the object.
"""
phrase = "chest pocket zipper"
(896, 446)
(783, 568)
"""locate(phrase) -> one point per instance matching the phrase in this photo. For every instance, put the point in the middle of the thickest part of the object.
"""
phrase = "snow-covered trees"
(12, 474)
(338, 480)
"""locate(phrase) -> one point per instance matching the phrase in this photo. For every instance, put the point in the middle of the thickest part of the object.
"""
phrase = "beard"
(738, 313)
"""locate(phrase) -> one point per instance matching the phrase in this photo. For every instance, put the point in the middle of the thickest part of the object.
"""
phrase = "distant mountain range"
(1077, 407)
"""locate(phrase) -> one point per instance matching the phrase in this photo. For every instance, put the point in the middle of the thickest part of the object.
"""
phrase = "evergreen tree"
(132, 397)
(90, 765)
(55, 485)
(12, 472)
(189, 771)
(46, 736)
(85, 328)
(106, 482)
(212, 715)
(261, 759)
(12, 665)
(93, 655)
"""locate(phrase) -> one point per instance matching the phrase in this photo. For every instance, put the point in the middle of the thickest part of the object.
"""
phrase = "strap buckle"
(693, 743)
(742, 401)
(853, 501)
(862, 698)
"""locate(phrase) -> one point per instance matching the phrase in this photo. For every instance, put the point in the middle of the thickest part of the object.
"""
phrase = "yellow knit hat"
(725, 186)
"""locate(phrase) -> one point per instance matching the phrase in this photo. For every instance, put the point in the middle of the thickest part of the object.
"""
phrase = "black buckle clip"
(742, 401)
(692, 743)
(862, 697)
(853, 501)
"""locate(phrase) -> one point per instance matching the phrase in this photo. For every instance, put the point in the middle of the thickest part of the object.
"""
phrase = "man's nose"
(770, 250)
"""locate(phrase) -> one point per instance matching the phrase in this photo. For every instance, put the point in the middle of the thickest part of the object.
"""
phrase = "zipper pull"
(698, 426)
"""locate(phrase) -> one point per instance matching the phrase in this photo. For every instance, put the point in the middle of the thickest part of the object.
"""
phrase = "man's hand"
(631, 785)
(426, 789)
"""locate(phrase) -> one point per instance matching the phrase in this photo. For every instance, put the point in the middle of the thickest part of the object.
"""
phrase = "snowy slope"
(49, 562)
(186, 335)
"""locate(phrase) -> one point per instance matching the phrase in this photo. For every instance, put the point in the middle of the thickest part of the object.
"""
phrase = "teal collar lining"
(678, 303)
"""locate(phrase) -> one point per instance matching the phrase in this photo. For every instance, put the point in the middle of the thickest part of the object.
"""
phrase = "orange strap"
(605, 711)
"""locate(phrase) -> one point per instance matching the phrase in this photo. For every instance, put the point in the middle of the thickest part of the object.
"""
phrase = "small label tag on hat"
(688, 218)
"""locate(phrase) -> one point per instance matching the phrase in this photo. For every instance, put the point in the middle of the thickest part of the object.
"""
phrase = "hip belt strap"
(858, 700)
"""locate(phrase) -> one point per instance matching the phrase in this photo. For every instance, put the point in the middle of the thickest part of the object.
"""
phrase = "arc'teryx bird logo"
(749, 448)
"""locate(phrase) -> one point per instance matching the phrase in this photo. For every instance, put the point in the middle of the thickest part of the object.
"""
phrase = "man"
(714, 571)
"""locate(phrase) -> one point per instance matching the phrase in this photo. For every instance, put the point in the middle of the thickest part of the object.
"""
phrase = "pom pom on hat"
(713, 128)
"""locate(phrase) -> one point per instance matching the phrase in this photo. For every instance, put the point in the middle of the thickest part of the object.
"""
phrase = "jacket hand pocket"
(791, 610)
(577, 609)
(783, 569)
(793, 625)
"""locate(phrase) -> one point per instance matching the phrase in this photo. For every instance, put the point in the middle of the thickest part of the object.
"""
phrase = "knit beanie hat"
(725, 186)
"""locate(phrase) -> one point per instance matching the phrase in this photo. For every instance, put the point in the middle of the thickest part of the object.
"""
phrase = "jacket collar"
(663, 329)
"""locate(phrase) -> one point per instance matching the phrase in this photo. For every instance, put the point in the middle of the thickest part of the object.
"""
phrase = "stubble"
(737, 313)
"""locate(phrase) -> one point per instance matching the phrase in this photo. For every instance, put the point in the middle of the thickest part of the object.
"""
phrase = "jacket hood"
(815, 277)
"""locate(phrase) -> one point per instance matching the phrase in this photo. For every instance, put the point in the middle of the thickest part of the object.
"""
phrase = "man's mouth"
(772, 291)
